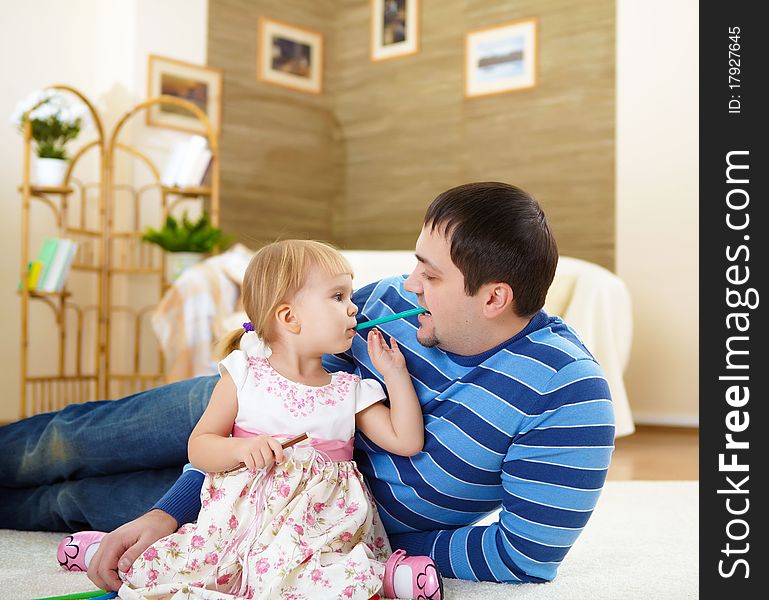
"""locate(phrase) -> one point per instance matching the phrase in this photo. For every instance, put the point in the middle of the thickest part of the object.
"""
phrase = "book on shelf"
(33, 274)
(49, 272)
(188, 163)
(193, 175)
(46, 256)
(168, 178)
(205, 181)
(63, 273)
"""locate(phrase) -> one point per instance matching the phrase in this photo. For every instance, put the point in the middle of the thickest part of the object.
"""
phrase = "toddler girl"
(296, 522)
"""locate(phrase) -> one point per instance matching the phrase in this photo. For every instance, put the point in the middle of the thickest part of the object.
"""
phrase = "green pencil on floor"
(95, 595)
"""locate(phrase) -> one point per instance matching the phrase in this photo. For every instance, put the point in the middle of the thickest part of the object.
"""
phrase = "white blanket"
(598, 308)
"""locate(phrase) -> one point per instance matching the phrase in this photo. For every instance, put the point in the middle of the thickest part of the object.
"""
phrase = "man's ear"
(499, 299)
(286, 318)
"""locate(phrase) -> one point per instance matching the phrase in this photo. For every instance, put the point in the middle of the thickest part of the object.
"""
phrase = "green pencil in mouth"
(401, 315)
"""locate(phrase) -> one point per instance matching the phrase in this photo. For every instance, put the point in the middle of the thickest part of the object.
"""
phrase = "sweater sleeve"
(182, 500)
(552, 477)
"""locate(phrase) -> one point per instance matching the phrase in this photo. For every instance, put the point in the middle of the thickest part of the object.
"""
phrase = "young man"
(517, 412)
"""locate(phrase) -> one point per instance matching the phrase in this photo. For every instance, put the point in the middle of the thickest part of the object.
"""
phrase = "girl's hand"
(258, 452)
(387, 360)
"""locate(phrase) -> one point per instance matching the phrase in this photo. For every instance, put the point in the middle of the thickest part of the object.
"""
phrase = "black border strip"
(742, 130)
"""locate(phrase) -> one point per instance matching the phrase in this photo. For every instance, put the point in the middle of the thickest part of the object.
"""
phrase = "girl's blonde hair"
(277, 272)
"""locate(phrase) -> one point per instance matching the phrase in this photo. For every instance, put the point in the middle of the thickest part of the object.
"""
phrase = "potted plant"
(186, 242)
(55, 120)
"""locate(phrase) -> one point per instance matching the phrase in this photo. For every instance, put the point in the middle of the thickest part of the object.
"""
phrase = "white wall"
(657, 203)
(100, 48)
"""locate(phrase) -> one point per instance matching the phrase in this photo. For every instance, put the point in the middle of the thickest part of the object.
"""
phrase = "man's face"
(440, 287)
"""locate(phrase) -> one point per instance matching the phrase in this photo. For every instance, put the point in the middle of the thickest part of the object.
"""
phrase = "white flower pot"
(178, 262)
(50, 171)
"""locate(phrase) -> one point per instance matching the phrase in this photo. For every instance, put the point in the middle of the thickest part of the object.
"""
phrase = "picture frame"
(199, 84)
(501, 59)
(394, 28)
(290, 56)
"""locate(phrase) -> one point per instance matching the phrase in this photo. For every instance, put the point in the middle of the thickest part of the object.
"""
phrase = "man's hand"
(120, 548)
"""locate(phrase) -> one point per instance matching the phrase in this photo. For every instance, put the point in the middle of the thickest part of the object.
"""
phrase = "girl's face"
(325, 311)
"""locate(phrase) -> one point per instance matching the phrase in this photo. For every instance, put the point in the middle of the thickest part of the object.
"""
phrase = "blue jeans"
(99, 464)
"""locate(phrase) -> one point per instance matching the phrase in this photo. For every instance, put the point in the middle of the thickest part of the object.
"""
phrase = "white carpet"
(642, 542)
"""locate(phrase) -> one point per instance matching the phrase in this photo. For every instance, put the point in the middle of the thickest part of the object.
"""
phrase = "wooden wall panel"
(410, 133)
(281, 154)
(360, 164)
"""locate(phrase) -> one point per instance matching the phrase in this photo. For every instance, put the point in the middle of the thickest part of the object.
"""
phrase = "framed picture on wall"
(501, 59)
(290, 56)
(200, 85)
(394, 28)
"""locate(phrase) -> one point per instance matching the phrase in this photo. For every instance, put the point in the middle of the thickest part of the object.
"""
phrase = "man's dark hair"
(498, 232)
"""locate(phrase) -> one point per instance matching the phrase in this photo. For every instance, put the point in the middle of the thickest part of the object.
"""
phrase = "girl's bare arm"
(212, 449)
(400, 428)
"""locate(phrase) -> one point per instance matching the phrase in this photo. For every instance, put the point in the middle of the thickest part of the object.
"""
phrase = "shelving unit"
(101, 330)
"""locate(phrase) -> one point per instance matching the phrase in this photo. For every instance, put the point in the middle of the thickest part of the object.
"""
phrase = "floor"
(657, 453)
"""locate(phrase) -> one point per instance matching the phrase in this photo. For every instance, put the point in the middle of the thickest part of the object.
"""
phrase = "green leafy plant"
(187, 235)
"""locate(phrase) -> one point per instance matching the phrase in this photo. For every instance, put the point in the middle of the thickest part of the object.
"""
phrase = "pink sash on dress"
(332, 449)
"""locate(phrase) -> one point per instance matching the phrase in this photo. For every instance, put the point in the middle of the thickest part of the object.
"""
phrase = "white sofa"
(202, 305)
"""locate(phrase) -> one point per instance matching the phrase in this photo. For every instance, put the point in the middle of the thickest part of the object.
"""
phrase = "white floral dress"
(305, 529)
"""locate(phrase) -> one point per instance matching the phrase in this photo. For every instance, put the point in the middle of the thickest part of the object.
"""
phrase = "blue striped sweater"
(527, 426)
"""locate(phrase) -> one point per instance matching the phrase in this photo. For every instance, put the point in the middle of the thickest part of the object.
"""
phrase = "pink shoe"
(427, 582)
(73, 549)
